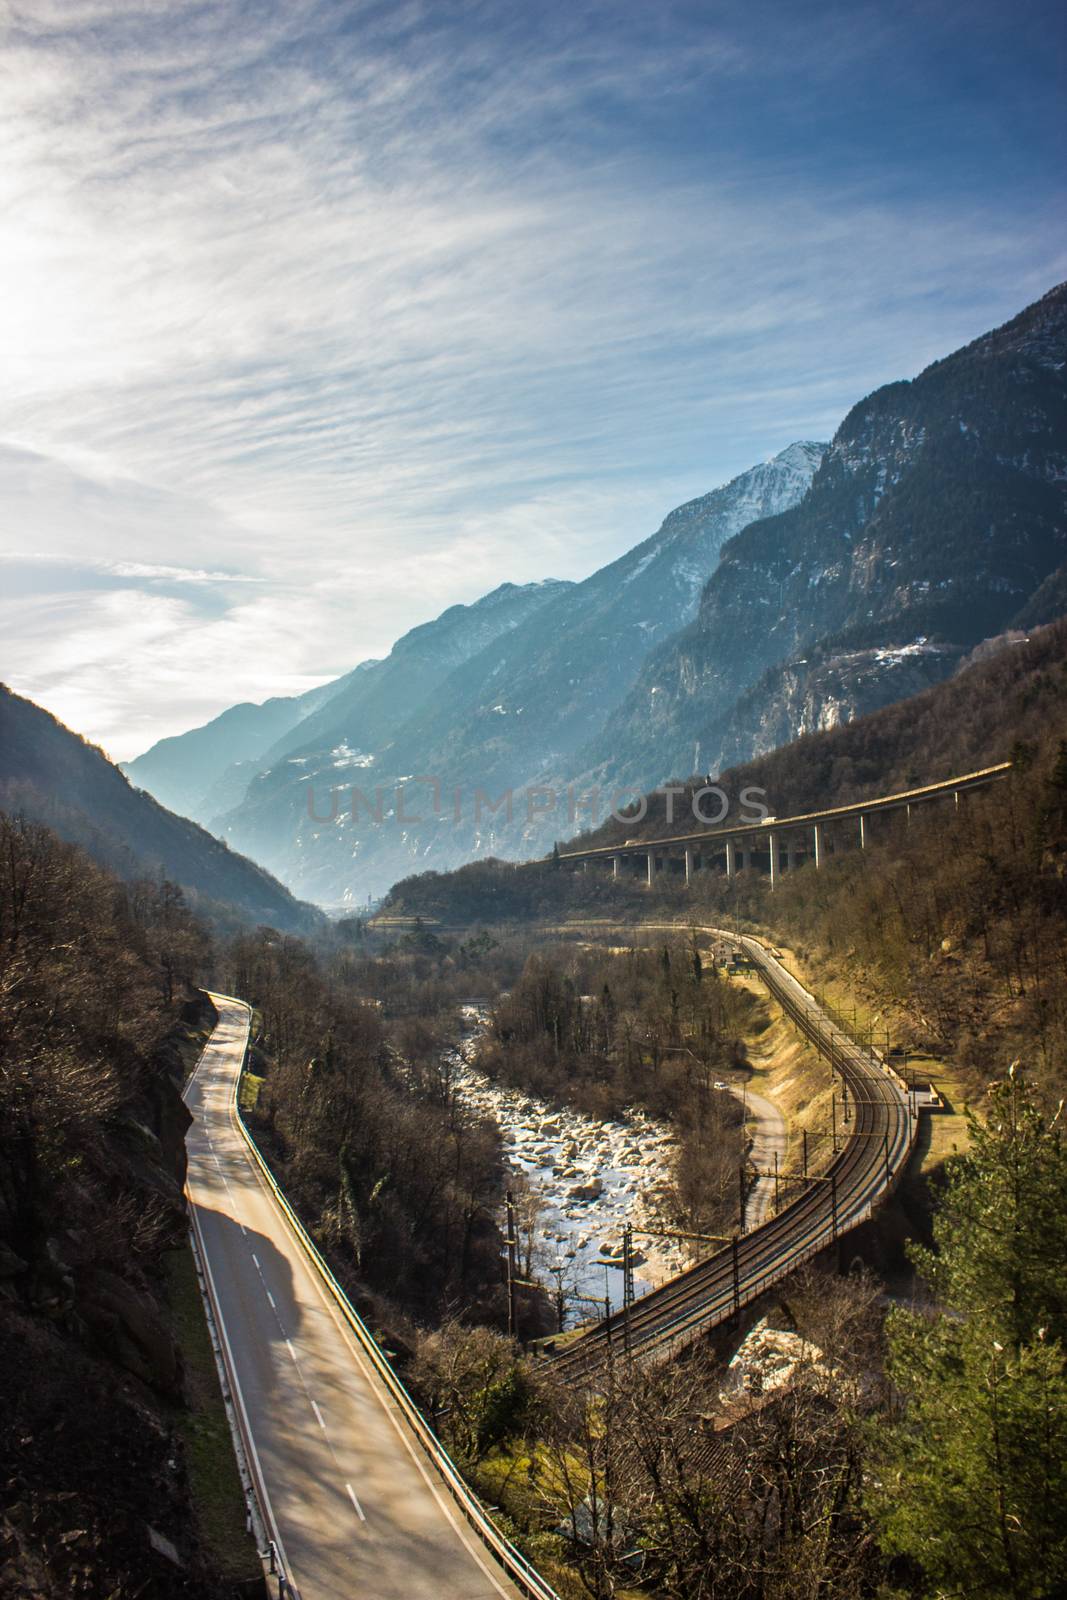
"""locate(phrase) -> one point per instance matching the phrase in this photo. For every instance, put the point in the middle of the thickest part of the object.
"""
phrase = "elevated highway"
(873, 1153)
(775, 844)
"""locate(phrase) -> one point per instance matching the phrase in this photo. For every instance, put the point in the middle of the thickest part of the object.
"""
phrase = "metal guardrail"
(260, 1519)
(515, 1564)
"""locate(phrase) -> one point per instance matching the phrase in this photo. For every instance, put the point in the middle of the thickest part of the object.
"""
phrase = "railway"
(874, 1152)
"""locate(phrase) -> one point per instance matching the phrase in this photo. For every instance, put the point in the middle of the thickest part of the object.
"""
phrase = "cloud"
(376, 306)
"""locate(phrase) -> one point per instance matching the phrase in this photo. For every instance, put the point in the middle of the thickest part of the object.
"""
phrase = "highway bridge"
(873, 1153)
(349, 1491)
(775, 844)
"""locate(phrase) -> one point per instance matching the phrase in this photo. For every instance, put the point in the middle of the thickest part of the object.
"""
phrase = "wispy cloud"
(379, 305)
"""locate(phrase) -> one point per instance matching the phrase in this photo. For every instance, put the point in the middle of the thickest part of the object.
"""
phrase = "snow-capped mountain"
(509, 714)
(937, 519)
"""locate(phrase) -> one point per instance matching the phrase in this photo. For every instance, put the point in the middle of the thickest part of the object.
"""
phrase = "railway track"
(874, 1152)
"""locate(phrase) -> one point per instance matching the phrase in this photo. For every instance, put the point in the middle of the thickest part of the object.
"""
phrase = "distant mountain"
(367, 714)
(206, 772)
(512, 713)
(937, 519)
(187, 773)
(54, 777)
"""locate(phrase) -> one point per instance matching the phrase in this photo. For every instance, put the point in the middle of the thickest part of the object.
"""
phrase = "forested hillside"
(97, 1028)
(965, 933)
(50, 774)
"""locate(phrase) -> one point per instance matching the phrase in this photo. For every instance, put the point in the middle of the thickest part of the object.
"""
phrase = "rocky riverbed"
(588, 1178)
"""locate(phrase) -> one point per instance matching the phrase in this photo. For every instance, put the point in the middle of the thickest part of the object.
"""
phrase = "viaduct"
(775, 844)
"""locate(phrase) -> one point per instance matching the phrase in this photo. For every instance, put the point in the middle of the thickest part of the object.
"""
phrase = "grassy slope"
(205, 1431)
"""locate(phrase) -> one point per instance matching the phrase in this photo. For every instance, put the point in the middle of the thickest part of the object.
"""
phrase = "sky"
(319, 316)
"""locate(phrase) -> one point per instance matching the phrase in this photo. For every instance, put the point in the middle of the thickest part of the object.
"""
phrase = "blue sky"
(320, 317)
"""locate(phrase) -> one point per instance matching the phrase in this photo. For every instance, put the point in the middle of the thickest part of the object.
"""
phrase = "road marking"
(292, 1352)
(375, 1399)
(318, 1414)
(255, 1258)
(355, 1502)
(270, 1297)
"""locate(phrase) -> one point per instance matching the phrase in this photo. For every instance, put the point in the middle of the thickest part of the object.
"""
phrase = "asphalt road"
(357, 1507)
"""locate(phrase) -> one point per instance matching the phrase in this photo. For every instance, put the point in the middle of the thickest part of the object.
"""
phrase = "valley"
(804, 1062)
(578, 1180)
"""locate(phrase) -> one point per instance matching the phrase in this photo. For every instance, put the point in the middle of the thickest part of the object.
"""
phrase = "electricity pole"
(513, 1262)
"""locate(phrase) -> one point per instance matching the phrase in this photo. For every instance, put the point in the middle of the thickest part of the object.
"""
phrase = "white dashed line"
(270, 1297)
(255, 1258)
(318, 1415)
(289, 1346)
(355, 1502)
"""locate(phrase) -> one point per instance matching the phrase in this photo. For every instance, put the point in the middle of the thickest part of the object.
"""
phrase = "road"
(872, 1155)
(357, 1508)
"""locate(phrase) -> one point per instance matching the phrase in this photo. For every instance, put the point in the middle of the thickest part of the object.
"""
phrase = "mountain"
(511, 714)
(937, 519)
(52, 776)
(1004, 703)
(187, 773)
(366, 716)
(206, 772)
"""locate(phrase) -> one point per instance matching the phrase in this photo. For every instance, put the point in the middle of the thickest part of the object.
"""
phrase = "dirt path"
(769, 1138)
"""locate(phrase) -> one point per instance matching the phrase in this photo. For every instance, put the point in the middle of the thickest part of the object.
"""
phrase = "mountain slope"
(938, 516)
(182, 772)
(512, 714)
(366, 716)
(530, 701)
(206, 772)
(1005, 703)
(52, 776)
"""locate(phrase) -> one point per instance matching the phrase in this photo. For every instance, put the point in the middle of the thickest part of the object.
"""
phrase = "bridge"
(774, 844)
(873, 1154)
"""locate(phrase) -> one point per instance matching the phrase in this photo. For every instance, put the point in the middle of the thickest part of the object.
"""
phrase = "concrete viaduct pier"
(775, 844)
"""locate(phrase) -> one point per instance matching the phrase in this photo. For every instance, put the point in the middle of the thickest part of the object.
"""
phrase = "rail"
(515, 1564)
(866, 1169)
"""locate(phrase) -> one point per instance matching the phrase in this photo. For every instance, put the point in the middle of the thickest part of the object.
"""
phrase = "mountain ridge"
(937, 518)
(54, 776)
(507, 716)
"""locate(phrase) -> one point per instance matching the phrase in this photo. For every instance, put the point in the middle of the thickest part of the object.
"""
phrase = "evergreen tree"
(971, 1477)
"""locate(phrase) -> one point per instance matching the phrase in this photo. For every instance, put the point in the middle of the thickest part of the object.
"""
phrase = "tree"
(476, 1385)
(972, 1472)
